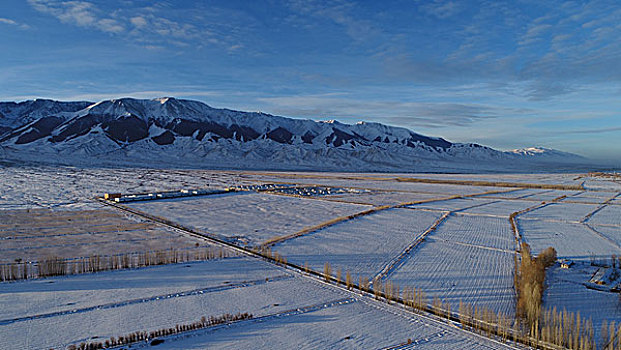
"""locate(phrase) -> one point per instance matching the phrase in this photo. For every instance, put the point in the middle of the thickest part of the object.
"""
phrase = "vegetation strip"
(56, 266)
(492, 184)
(187, 293)
(152, 336)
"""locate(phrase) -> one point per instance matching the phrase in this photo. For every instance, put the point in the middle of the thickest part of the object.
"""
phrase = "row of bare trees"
(57, 266)
(137, 337)
(547, 329)
(530, 281)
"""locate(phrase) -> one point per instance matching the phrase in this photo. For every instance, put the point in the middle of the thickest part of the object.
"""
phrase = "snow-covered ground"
(250, 217)
(454, 272)
(469, 256)
(561, 212)
(566, 292)
(501, 208)
(33, 235)
(608, 216)
(362, 246)
(346, 326)
(482, 231)
(74, 188)
(287, 309)
(571, 240)
(384, 197)
(454, 204)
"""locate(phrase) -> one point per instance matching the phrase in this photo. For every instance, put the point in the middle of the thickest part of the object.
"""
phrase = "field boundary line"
(603, 205)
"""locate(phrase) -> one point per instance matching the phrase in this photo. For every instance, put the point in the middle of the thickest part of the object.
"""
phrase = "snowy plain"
(468, 257)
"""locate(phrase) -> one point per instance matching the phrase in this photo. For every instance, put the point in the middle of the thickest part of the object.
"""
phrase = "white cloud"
(138, 21)
(13, 23)
(411, 114)
(340, 12)
(441, 9)
(79, 13)
(8, 21)
(110, 26)
(153, 26)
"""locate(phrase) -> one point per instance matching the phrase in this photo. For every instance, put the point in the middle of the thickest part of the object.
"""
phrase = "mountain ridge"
(176, 131)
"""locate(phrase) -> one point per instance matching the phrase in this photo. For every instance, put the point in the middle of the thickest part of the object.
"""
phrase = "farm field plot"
(574, 241)
(35, 234)
(362, 246)
(518, 193)
(565, 292)
(566, 212)
(545, 196)
(348, 326)
(612, 233)
(602, 185)
(384, 198)
(453, 272)
(49, 295)
(260, 292)
(568, 179)
(453, 204)
(305, 310)
(584, 200)
(501, 208)
(609, 215)
(601, 196)
(476, 230)
(249, 217)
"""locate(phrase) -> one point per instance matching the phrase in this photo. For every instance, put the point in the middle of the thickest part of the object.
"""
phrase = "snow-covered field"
(286, 308)
(33, 235)
(482, 231)
(249, 216)
(609, 216)
(454, 204)
(566, 292)
(362, 246)
(384, 197)
(454, 272)
(571, 240)
(346, 326)
(563, 212)
(469, 256)
(501, 208)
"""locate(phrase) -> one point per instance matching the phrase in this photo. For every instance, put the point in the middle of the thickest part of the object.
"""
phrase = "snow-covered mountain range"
(167, 132)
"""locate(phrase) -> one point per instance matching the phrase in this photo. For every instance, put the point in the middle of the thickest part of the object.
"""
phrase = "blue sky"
(507, 74)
